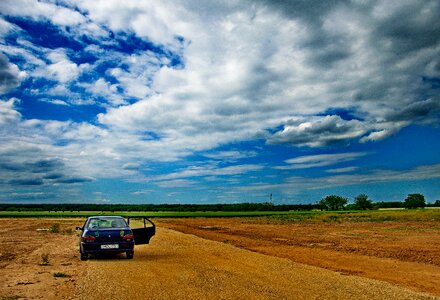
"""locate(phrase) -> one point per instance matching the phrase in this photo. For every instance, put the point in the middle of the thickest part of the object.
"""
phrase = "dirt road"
(181, 266)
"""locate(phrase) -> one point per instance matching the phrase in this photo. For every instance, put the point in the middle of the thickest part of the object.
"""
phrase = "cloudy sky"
(218, 101)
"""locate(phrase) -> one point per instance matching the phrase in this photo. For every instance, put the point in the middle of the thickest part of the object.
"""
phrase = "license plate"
(110, 246)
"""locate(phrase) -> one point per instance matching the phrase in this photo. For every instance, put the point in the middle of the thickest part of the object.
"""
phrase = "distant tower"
(270, 198)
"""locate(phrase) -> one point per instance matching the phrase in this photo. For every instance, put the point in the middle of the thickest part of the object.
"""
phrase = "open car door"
(143, 229)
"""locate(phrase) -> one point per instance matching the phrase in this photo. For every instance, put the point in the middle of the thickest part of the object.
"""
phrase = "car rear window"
(102, 223)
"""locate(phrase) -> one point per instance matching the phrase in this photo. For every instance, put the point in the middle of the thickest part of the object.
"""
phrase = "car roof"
(96, 217)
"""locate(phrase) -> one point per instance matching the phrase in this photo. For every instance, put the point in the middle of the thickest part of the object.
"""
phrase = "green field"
(271, 216)
(68, 214)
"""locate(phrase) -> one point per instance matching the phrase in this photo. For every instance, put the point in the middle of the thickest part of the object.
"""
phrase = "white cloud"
(342, 170)
(142, 192)
(209, 171)
(251, 70)
(55, 101)
(320, 160)
(146, 19)
(175, 183)
(61, 69)
(317, 132)
(105, 89)
(10, 75)
(133, 85)
(5, 27)
(378, 135)
(8, 115)
(232, 155)
(38, 9)
(249, 67)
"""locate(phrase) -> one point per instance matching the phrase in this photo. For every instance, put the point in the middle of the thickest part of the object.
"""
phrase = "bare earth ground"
(182, 266)
(403, 253)
(23, 274)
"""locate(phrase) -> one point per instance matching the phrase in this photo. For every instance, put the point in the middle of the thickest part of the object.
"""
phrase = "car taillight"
(88, 238)
(128, 237)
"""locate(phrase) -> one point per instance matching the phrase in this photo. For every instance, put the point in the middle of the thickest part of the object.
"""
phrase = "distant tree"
(362, 202)
(436, 203)
(333, 202)
(415, 201)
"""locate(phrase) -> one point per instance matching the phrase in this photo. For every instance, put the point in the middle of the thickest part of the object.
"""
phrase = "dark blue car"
(112, 234)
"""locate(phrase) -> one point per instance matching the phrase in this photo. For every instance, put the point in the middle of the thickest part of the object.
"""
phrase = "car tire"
(130, 254)
(84, 256)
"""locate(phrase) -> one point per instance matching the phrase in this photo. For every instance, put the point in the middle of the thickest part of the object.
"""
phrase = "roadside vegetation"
(60, 275)
(45, 259)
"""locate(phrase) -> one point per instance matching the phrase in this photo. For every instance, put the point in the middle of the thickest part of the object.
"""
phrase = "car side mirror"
(79, 228)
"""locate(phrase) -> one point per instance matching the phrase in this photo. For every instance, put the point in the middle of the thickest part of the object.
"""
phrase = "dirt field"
(403, 253)
(32, 251)
(181, 266)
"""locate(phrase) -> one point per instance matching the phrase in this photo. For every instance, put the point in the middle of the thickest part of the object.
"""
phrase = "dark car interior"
(143, 234)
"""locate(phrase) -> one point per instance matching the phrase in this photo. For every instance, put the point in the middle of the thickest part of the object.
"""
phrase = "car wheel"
(130, 254)
(84, 256)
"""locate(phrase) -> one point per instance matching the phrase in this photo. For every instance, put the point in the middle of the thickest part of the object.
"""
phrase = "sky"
(201, 102)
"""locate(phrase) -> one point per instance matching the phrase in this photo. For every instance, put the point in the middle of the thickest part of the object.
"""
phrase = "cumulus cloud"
(253, 67)
(244, 77)
(61, 69)
(10, 75)
(33, 166)
(30, 154)
(146, 19)
(37, 10)
(323, 131)
(106, 90)
(8, 114)
(5, 27)
(426, 111)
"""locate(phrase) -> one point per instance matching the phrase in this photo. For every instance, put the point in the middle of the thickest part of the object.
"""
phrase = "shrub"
(68, 231)
(44, 259)
(55, 228)
(14, 297)
(7, 256)
(60, 275)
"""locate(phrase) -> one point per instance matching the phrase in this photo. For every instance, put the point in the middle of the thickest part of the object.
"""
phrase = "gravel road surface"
(182, 266)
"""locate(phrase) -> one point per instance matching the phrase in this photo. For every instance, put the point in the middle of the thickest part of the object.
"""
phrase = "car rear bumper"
(96, 247)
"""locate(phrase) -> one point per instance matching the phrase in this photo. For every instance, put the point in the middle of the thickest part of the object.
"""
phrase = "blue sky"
(200, 102)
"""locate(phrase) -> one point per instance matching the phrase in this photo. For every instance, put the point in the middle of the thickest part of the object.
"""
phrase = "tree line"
(363, 202)
(331, 202)
(247, 206)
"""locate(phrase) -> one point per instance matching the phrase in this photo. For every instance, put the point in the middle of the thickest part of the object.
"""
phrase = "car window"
(103, 223)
